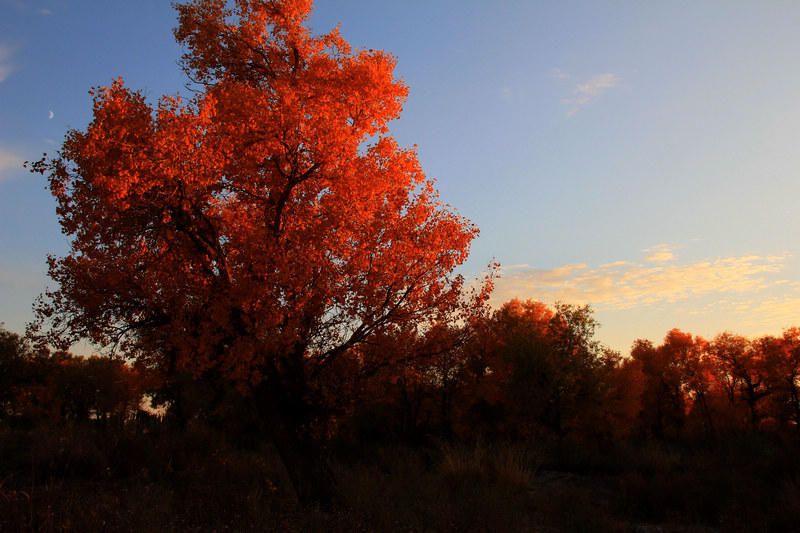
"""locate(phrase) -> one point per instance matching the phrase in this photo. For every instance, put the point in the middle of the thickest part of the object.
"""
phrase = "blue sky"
(637, 156)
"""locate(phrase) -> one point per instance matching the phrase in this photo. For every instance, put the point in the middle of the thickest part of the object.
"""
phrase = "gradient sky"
(638, 156)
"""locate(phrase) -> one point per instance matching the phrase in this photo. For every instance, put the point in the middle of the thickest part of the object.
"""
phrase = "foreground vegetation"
(84, 478)
(412, 451)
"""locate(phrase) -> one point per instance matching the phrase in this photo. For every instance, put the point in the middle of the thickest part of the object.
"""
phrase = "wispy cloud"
(9, 160)
(639, 285)
(583, 93)
(599, 84)
(780, 310)
(6, 67)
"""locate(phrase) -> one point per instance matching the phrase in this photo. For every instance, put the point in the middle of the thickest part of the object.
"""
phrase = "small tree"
(261, 229)
(16, 371)
(788, 372)
(533, 368)
(742, 371)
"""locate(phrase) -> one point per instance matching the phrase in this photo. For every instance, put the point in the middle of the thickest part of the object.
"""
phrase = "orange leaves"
(731, 383)
(110, 151)
(317, 93)
(262, 220)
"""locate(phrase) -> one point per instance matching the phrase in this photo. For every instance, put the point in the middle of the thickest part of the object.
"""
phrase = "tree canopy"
(260, 228)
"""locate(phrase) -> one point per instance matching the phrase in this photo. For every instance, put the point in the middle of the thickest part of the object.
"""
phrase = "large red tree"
(258, 230)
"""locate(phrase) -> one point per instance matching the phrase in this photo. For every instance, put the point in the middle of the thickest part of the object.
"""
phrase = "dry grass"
(507, 465)
(61, 478)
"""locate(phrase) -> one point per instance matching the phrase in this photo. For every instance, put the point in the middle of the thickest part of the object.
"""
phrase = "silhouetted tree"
(742, 372)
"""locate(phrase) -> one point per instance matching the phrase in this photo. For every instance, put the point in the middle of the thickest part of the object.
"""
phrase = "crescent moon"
(51, 115)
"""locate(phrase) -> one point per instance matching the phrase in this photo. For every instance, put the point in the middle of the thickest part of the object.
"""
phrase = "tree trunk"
(706, 414)
(795, 398)
(311, 477)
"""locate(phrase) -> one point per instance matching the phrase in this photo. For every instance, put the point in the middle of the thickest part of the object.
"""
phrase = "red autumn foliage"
(260, 229)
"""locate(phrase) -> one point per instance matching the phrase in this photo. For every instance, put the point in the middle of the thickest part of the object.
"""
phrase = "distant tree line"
(523, 370)
(39, 385)
(527, 369)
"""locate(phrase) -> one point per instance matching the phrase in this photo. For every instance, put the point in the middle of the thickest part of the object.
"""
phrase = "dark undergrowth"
(84, 478)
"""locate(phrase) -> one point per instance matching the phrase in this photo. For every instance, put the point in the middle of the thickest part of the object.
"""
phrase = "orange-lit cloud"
(659, 254)
(634, 285)
(782, 311)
